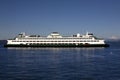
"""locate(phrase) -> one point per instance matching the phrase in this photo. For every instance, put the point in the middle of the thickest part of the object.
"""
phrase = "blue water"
(60, 63)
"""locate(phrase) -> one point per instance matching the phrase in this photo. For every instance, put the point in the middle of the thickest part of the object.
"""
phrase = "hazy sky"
(102, 17)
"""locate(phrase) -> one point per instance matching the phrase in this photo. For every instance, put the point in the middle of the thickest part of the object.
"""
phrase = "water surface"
(60, 63)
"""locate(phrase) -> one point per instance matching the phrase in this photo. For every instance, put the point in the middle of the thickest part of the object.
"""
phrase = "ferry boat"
(56, 40)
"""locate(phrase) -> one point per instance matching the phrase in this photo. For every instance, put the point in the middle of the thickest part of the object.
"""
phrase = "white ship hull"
(56, 40)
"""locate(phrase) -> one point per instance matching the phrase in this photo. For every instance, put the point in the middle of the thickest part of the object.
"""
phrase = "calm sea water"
(60, 63)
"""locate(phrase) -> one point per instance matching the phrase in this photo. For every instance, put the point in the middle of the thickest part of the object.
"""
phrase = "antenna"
(87, 32)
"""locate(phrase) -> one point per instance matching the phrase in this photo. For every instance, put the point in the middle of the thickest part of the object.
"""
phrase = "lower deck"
(56, 45)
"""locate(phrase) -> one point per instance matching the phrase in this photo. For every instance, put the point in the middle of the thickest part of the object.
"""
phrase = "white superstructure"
(55, 38)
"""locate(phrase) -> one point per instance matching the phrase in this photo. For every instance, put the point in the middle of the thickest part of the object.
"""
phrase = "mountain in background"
(113, 38)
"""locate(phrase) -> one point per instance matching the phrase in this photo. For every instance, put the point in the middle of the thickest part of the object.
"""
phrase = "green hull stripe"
(58, 45)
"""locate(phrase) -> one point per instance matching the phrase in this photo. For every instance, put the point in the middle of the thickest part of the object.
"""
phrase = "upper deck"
(56, 35)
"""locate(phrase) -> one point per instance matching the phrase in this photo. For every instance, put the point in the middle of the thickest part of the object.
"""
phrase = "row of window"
(55, 38)
(58, 41)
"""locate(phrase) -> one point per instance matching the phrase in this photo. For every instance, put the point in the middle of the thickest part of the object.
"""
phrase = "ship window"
(12, 41)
